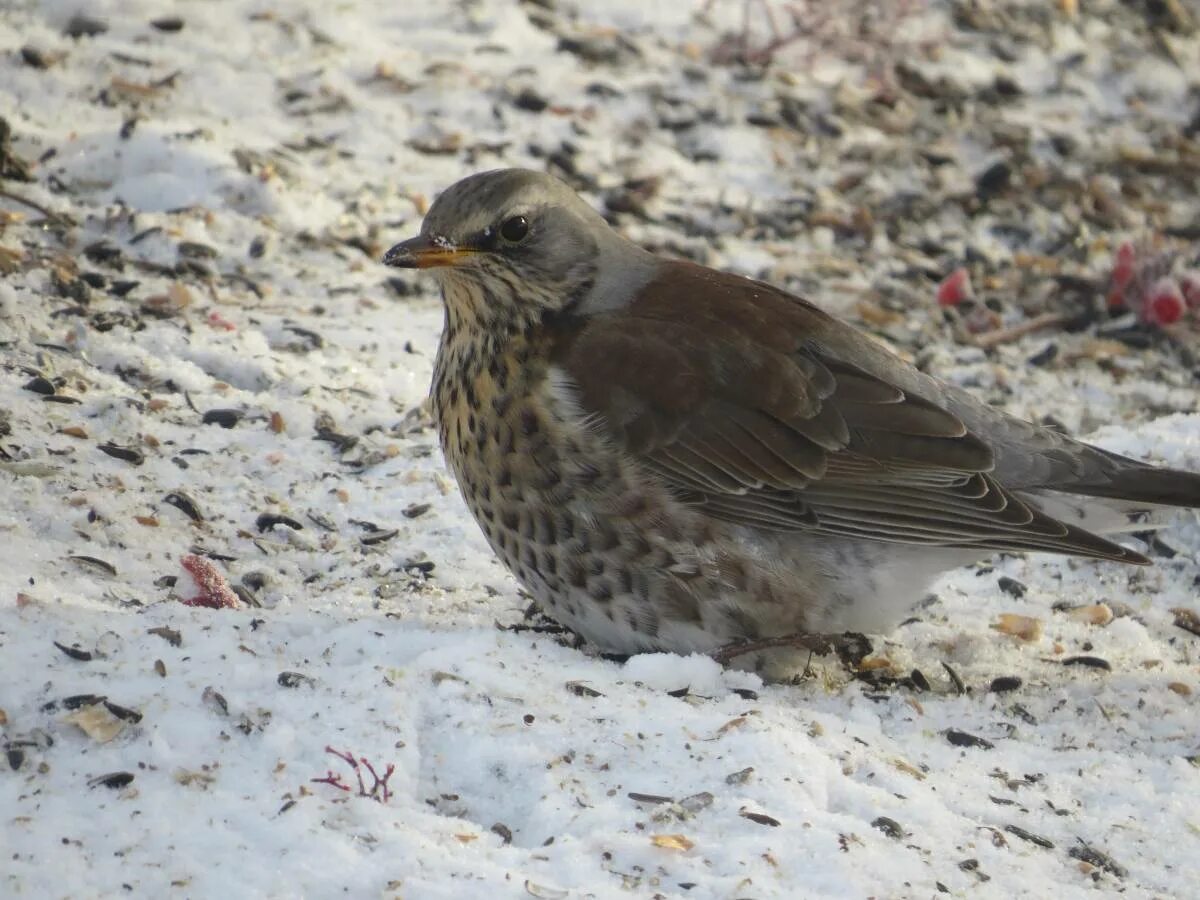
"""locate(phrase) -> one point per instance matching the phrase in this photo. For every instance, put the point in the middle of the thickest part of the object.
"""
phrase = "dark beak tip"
(400, 256)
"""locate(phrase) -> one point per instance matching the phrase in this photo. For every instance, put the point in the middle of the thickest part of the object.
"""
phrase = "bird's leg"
(850, 647)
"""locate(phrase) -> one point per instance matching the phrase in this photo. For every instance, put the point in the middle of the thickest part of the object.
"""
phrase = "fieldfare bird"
(670, 457)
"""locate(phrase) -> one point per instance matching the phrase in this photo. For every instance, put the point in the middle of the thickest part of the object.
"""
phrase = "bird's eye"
(515, 229)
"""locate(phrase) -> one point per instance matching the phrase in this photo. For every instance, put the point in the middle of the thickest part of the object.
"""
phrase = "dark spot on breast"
(500, 403)
(574, 574)
(527, 526)
(529, 422)
(509, 519)
(679, 603)
(625, 580)
(504, 477)
(600, 591)
(606, 537)
(548, 563)
(638, 546)
(545, 533)
(595, 566)
(633, 505)
(741, 623)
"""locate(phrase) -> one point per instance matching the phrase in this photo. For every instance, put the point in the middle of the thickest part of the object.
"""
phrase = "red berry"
(955, 288)
(1164, 303)
(213, 589)
(1189, 284)
(216, 320)
(1124, 262)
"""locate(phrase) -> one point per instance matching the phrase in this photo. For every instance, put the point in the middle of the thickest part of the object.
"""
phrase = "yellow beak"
(423, 252)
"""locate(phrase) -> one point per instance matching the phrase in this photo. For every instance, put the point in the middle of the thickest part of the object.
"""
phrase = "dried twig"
(60, 218)
(378, 791)
(1014, 332)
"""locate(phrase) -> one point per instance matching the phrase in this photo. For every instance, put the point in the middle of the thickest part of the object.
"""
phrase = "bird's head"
(511, 242)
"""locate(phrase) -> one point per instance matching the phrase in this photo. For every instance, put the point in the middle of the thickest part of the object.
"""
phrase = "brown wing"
(735, 406)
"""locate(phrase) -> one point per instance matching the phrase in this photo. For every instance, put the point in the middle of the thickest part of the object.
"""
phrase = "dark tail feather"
(1128, 479)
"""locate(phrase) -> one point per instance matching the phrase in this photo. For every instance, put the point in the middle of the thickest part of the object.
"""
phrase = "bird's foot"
(850, 647)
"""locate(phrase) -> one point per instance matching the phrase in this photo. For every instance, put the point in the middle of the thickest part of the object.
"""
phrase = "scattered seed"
(1011, 586)
(1093, 614)
(1187, 619)
(504, 832)
(96, 722)
(295, 679)
(542, 892)
(226, 418)
(131, 455)
(194, 250)
(919, 681)
(759, 818)
(1091, 662)
(890, 827)
(741, 776)
(1093, 857)
(39, 385)
(580, 689)
(75, 701)
(1029, 836)
(123, 713)
(648, 798)
(92, 562)
(384, 535)
(964, 739)
(1005, 683)
(170, 635)
(74, 652)
(746, 693)
(415, 510)
(104, 254)
(80, 25)
(267, 521)
(184, 504)
(258, 247)
(160, 668)
(993, 180)
(672, 842)
(15, 756)
(1024, 628)
(114, 780)
(215, 699)
(37, 59)
(169, 24)
(959, 687)
(312, 340)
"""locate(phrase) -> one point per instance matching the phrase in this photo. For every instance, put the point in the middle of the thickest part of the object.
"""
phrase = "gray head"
(516, 244)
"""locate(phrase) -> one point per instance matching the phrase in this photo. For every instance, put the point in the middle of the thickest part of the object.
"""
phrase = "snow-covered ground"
(216, 184)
